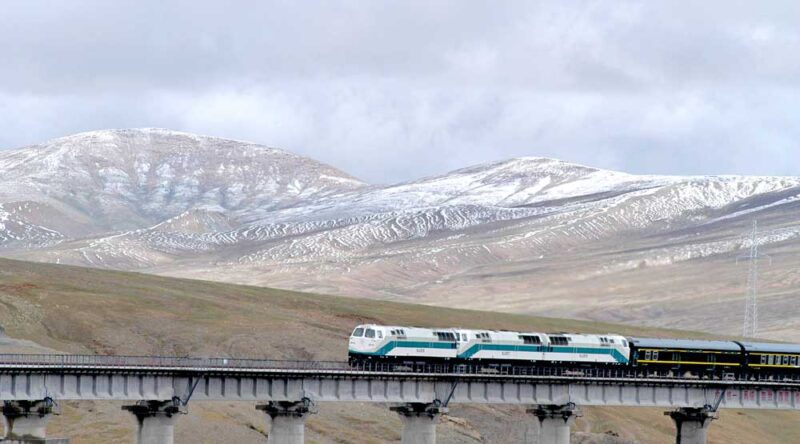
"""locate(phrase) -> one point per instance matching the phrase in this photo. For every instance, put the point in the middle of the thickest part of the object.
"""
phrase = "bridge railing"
(192, 363)
(164, 361)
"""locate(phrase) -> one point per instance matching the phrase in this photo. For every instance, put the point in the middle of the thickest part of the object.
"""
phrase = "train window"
(380, 335)
(648, 355)
(359, 332)
(528, 339)
(445, 336)
(711, 358)
(624, 343)
(676, 357)
(785, 360)
(794, 360)
(764, 359)
(464, 337)
(370, 333)
(558, 340)
(611, 341)
(655, 356)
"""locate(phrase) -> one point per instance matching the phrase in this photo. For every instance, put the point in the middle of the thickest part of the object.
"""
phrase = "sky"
(396, 90)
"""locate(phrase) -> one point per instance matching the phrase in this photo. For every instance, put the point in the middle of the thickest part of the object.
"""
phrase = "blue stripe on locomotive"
(475, 348)
(391, 345)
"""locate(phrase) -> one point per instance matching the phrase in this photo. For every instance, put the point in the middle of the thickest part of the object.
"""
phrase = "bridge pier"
(419, 422)
(555, 422)
(156, 421)
(692, 424)
(288, 420)
(27, 419)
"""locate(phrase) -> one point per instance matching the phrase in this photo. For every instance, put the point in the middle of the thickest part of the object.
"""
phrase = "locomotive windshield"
(359, 332)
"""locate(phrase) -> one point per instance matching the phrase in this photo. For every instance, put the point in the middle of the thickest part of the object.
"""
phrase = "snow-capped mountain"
(108, 181)
(528, 234)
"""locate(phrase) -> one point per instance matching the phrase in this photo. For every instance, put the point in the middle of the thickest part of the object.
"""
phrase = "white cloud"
(396, 90)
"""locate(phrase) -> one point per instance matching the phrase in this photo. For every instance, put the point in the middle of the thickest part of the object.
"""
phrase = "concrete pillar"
(288, 420)
(419, 422)
(27, 419)
(555, 422)
(692, 424)
(155, 421)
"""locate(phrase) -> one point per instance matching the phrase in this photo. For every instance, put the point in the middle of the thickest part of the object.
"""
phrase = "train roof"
(690, 344)
(767, 347)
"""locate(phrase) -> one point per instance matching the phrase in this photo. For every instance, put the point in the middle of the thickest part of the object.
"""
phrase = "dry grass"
(83, 310)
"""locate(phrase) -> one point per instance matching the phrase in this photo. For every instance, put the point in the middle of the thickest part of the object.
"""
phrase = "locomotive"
(453, 348)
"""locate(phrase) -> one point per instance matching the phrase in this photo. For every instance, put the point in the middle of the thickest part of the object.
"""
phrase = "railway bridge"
(160, 389)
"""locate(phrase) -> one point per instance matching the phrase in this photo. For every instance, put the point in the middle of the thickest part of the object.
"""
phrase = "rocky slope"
(534, 235)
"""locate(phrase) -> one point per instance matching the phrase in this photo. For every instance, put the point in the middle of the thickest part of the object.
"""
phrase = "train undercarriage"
(551, 368)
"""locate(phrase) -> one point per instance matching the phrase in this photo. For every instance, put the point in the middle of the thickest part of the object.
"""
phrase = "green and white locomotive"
(412, 345)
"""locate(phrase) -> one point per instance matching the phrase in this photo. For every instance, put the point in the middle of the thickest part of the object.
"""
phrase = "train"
(451, 349)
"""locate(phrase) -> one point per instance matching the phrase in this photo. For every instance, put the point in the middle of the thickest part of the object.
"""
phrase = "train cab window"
(370, 333)
(464, 337)
(624, 343)
(611, 341)
(359, 332)
(380, 335)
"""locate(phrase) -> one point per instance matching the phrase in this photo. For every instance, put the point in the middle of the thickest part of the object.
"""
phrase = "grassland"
(80, 310)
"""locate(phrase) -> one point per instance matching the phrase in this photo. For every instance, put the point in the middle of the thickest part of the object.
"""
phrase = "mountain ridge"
(245, 213)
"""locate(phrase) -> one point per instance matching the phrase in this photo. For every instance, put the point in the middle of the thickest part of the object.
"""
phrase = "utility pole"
(750, 327)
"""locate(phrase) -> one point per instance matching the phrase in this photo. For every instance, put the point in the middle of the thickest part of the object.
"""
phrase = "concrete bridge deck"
(161, 387)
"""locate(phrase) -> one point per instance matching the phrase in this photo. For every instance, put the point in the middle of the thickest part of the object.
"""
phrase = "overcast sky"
(390, 91)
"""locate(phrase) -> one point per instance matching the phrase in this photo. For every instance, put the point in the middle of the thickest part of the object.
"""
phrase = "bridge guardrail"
(194, 363)
(166, 361)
